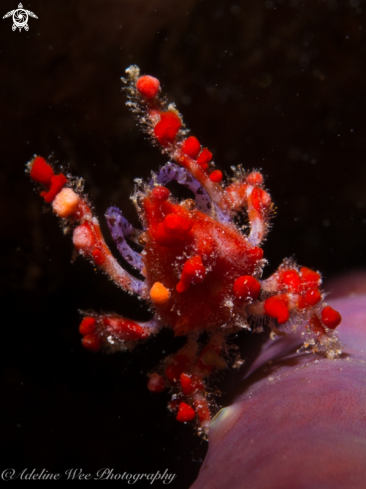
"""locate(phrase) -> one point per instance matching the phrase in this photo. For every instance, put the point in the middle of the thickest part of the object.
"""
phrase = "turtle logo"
(20, 17)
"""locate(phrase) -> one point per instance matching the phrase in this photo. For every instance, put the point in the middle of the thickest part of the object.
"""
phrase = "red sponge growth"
(91, 342)
(247, 287)
(41, 172)
(191, 147)
(99, 257)
(254, 178)
(204, 158)
(276, 307)
(57, 183)
(216, 176)
(87, 325)
(160, 194)
(186, 383)
(312, 297)
(309, 278)
(185, 413)
(167, 128)
(148, 86)
(193, 272)
(330, 317)
(289, 279)
(177, 225)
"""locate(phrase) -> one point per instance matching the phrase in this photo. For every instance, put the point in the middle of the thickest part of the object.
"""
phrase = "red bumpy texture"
(201, 273)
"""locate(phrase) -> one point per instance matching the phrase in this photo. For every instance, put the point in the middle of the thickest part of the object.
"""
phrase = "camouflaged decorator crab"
(198, 271)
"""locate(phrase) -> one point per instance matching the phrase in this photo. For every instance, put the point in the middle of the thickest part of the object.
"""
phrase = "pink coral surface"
(300, 421)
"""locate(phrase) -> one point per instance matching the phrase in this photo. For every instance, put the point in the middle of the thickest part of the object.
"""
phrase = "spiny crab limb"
(170, 172)
(246, 192)
(293, 296)
(87, 236)
(186, 374)
(112, 332)
(120, 229)
(164, 125)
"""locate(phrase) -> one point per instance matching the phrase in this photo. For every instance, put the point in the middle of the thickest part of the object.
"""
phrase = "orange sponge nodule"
(159, 294)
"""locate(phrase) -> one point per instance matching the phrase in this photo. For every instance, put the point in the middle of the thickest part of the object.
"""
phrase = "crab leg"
(120, 229)
(294, 293)
(170, 172)
(164, 125)
(186, 373)
(87, 236)
(114, 332)
(247, 192)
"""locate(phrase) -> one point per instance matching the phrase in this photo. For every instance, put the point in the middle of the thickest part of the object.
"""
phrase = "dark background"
(275, 84)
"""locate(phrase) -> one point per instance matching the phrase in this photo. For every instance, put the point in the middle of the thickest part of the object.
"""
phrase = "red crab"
(198, 271)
